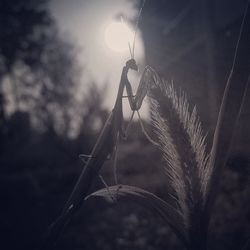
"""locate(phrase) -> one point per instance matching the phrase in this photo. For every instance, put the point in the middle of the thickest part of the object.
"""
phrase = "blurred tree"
(23, 25)
(39, 85)
(20, 40)
(38, 66)
(48, 90)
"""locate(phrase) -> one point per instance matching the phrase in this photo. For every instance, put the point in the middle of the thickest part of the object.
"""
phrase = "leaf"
(148, 200)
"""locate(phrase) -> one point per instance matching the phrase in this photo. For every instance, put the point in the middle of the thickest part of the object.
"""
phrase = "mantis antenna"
(132, 50)
(136, 28)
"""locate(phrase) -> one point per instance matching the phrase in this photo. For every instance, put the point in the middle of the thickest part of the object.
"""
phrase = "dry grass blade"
(148, 200)
(233, 98)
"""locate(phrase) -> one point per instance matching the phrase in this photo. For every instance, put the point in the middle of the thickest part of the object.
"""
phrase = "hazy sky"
(85, 22)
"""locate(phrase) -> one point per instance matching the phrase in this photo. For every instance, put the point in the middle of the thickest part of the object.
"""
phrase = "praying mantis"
(105, 146)
(112, 131)
(106, 143)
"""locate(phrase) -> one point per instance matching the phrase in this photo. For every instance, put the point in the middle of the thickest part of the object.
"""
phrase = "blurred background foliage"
(44, 127)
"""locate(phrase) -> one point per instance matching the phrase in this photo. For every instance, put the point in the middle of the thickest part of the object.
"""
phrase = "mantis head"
(131, 64)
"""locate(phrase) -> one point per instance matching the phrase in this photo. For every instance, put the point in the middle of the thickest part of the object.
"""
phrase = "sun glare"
(118, 36)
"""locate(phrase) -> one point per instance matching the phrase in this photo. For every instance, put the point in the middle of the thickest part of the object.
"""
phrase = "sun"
(117, 36)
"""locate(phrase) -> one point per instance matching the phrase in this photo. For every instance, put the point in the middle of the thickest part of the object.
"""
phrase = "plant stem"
(232, 102)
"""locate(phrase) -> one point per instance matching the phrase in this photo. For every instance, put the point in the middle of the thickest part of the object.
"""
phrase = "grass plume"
(184, 150)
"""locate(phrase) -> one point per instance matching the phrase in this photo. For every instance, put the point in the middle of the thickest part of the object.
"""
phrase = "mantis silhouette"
(108, 139)
(105, 146)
